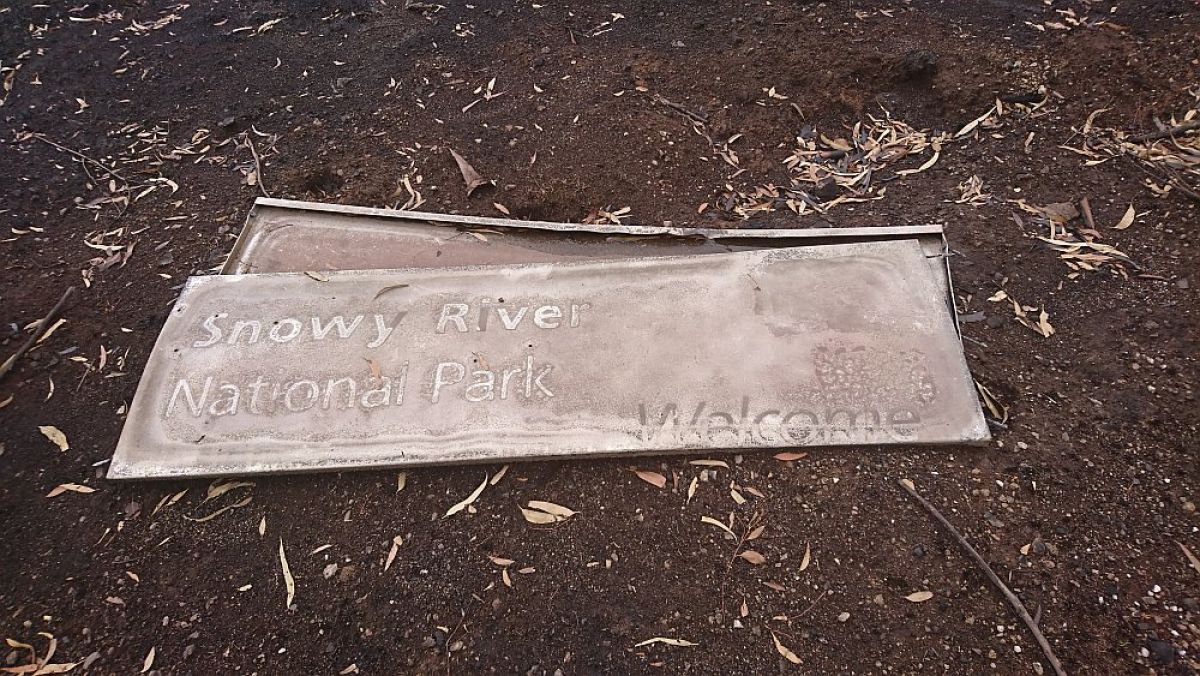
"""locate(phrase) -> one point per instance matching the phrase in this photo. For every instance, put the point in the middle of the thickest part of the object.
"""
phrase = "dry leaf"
(74, 488)
(541, 512)
(501, 561)
(216, 489)
(753, 557)
(919, 597)
(807, 558)
(388, 288)
(55, 435)
(505, 577)
(501, 208)
(788, 457)
(666, 641)
(499, 475)
(756, 533)
(1127, 219)
(149, 661)
(784, 651)
(470, 498)
(907, 483)
(262, 527)
(709, 463)
(288, 581)
(713, 522)
(970, 126)
(53, 327)
(240, 503)
(401, 481)
(396, 542)
(691, 492)
(653, 478)
(737, 497)
(472, 178)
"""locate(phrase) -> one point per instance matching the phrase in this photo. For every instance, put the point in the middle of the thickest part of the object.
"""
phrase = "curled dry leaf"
(472, 178)
(218, 488)
(227, 508)
(788, 457)
(401, 481)
(784, 651)
(288, 580)
(458, 507)
(542, 512)
(1127, 219)
(709, 463)
(74, 488)
(807, 558)
(713, 522)
(653, 478)
(753, 557)
(666, 641)
(149, 661)
(55, 435)
(919, 597)
(691, 491)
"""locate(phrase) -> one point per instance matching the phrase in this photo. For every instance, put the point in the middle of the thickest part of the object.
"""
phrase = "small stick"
(37, 332)
(257, 167)
(111, 172)
(991, 574)
(1165, 133)
(1086, 208)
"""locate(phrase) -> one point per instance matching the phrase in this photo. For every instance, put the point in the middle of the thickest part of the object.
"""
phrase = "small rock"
(843, 617)
(1162, 652)
(918, 551)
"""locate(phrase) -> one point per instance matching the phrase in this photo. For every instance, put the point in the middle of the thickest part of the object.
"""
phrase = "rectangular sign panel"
(814, 346)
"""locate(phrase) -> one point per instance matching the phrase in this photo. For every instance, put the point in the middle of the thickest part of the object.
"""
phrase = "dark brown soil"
(1096, 470)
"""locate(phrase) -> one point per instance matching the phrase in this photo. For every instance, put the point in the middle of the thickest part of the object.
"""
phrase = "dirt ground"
(1084, 503)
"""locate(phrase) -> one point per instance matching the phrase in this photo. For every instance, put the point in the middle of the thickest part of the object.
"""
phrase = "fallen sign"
(821, 345)
(294, 236)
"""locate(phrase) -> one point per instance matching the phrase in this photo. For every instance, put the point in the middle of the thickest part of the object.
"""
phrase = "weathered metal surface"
(292, 236)
(821, 345)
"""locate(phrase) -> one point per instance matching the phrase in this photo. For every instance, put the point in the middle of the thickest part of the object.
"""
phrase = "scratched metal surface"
(821, 345)
(294, 236)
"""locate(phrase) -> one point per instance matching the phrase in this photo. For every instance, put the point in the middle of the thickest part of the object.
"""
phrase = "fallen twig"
(1086, 208)
(1166, 133)
(257, 167)
(37, 332)
(75, 153)
(991, 574)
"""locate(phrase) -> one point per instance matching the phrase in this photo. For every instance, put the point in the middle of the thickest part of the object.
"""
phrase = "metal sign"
(813, 346)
